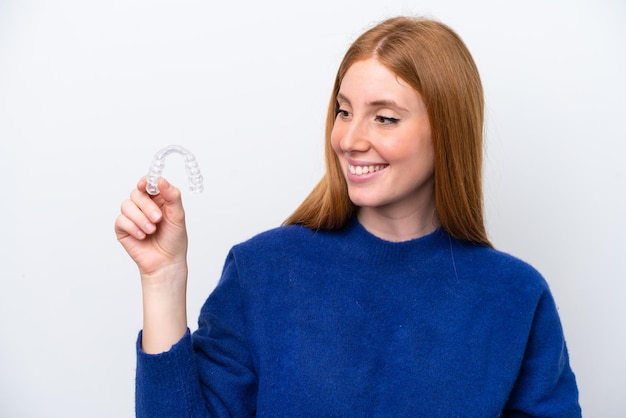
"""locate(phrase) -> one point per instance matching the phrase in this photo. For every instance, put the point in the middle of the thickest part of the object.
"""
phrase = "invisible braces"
(158, 164)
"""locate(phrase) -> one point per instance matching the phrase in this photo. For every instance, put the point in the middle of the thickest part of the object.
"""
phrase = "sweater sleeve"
(546, 385)
(166, 384)
(208, 373)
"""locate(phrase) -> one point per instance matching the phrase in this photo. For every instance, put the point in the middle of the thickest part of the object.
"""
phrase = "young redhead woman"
(381, 295)
(382, 139)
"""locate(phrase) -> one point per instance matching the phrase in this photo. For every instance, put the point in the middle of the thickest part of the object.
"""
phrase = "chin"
(364, 201)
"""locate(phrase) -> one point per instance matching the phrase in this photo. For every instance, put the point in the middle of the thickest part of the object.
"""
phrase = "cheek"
(335, 139)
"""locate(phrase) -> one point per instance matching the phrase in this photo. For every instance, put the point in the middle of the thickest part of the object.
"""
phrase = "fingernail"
(149, 228)
(140, 234)
(155, 215)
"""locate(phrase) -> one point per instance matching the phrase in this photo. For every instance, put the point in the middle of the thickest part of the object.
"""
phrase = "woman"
(381, 295)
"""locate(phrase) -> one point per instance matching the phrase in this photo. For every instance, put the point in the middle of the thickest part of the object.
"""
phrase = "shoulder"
(276, 238)
(498, 267)
(284, 243)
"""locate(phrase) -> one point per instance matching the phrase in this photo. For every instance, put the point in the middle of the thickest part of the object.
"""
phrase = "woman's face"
(382, 138)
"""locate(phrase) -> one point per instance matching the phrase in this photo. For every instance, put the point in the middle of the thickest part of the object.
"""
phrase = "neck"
(398, 228)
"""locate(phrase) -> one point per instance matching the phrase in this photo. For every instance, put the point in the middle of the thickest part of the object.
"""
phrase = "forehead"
(370, 81)
(371, 70)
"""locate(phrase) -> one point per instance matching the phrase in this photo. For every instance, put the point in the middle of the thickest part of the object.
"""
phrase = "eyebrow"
(376, 103)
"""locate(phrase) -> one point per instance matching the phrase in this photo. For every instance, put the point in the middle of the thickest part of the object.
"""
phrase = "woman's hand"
(152, 231)
(152, 228)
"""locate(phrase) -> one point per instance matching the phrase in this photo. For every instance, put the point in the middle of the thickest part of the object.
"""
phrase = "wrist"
(164, 309)
(167, 279)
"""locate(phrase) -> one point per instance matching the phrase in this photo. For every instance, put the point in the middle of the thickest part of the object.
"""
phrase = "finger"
(143, 182)
(125, 228)
(137, 217)
(147, 204)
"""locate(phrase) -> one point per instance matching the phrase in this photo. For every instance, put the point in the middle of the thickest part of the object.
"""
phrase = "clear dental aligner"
(158, 164)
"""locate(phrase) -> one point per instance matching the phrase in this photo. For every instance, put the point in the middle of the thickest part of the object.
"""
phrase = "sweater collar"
(360, 240)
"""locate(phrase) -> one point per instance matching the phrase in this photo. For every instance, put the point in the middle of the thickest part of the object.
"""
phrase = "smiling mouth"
(359, 170)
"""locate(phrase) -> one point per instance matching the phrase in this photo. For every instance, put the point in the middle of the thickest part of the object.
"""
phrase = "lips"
(359, 170)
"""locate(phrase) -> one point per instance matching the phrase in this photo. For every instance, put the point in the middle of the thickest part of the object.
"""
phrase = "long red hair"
(433, 59)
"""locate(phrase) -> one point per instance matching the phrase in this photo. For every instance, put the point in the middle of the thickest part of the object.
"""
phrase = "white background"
(90, 90)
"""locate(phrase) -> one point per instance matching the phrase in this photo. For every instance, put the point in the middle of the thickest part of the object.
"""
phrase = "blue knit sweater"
(344, 324)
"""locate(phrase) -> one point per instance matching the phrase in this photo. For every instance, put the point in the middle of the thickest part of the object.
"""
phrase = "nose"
(353, 135)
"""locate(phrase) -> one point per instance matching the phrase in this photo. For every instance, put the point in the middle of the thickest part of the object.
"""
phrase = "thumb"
(169, 193)
(166, 191)
(171, 196)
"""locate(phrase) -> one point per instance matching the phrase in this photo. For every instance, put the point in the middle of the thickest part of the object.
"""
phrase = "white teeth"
(364, 169)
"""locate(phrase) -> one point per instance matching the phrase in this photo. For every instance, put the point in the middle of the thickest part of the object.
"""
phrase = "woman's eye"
(386, 120)
(342, 113)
